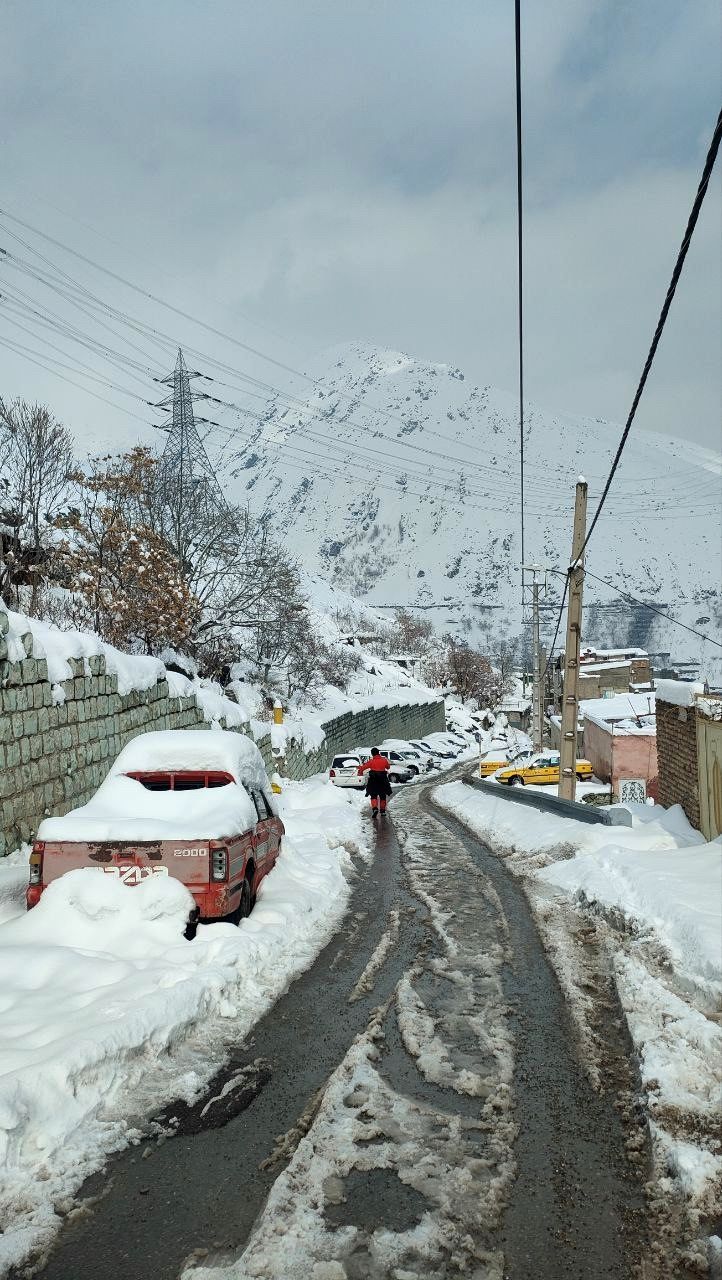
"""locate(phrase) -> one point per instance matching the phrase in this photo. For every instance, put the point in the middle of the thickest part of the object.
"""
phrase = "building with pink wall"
(620, 738)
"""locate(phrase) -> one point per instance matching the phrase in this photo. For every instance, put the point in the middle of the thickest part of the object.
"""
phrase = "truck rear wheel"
(243, 910)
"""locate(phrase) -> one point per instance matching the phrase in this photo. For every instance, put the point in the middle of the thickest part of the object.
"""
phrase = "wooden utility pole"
(570, 694)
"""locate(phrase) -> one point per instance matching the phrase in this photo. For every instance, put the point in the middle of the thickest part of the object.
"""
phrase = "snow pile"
(658, 888)
(122, 808)
(674, 894)
(681, 693)
(102, 997)
(14, 875)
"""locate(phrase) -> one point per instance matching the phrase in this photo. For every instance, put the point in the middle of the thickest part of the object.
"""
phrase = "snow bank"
(102, 996)
(673, 893)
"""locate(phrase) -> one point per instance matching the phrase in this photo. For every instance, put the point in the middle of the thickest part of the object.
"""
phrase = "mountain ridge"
(396, 479)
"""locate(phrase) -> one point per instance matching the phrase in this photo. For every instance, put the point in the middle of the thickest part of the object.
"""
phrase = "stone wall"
(363, 729)
(677, 758)
(58, 741)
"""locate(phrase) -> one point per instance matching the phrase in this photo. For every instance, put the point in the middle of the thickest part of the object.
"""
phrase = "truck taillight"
(36, 862)
(219, 864)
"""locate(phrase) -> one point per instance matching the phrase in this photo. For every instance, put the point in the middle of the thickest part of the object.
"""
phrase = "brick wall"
(55, 753)
(677, 758)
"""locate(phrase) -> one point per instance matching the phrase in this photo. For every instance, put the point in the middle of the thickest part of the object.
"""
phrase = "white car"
(403, 755)
(428, 753)
(344, 771)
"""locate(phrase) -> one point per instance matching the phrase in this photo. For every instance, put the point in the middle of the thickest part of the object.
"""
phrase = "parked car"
(440, 746)
(539, 769)
(428, 753)
(344, 770)
(491, 762)
(192, 804)
(399, 751)
(452, 743)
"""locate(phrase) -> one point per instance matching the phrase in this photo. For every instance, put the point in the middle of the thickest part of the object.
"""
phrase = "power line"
(566, 576)
(682, 254)
(643, 603)
(520, 256)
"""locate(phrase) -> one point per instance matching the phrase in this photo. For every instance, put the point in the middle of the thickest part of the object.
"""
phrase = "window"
(263, 809)
(187, 780)
(266, 805)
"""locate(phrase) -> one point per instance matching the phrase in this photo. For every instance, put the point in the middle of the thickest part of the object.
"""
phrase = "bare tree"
(466, 671)
(507, 660)
(36, 470)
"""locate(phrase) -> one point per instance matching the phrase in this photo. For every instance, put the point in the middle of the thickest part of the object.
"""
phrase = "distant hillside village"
(647, 733)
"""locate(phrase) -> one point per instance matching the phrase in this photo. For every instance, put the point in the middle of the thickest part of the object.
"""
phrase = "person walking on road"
(378, 786)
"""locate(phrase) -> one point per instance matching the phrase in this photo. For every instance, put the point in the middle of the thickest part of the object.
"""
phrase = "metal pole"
(542, 691)
(570, 695)
(536, 700)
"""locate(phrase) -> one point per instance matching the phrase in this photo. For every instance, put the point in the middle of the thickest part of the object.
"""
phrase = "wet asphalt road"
(575, 1205)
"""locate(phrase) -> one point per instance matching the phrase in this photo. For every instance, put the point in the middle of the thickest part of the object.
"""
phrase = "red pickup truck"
(194, 804)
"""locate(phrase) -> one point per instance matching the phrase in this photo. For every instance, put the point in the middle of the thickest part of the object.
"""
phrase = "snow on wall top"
(681, 693)
(134, 671)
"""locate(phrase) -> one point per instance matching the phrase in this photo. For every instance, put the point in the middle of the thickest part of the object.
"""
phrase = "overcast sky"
(306, 172)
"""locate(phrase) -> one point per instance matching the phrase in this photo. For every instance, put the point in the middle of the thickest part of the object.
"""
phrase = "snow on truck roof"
(176, 750)
(123, 809)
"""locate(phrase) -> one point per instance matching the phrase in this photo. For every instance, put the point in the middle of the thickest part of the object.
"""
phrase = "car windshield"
(344, 762)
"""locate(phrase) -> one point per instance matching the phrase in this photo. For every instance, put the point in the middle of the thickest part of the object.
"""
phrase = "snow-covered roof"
(592, 668)
(631, 713)
(189, 749)
(590, 650)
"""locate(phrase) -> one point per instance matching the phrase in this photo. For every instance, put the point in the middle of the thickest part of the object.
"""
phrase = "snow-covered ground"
(102, 998)
(657, 887)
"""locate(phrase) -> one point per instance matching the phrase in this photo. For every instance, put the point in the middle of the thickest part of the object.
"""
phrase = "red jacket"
(379, 764)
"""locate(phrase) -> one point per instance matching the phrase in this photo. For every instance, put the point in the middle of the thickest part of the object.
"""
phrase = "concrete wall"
(53, 754)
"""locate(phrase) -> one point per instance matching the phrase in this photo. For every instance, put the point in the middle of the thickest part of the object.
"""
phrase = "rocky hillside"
(397, 481)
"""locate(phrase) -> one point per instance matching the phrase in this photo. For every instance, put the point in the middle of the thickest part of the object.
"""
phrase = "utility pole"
(570, 693)
(537, 720)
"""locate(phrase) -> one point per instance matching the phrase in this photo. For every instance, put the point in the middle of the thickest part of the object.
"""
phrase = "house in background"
(517, 710)
(604, 672)
(620, 738)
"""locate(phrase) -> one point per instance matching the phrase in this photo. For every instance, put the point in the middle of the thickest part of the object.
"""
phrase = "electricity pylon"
(184, 461)
(191, 498)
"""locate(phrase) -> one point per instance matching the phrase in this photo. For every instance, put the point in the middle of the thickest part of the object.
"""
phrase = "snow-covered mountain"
(398, 481)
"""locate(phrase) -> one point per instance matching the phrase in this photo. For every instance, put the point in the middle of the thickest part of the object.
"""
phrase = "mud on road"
(413, 1106)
